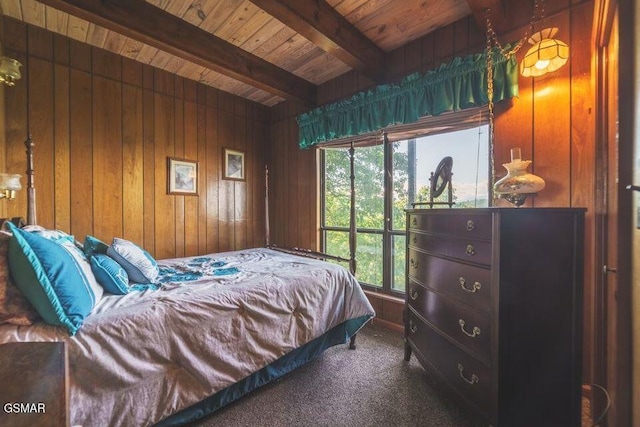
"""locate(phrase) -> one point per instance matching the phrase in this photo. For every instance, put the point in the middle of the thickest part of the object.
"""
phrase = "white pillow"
(138, 263)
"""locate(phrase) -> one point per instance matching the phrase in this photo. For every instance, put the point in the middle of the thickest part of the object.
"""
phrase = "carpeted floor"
(371, 386)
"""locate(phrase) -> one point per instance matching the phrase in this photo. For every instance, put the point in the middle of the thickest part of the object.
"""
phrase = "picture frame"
(182, 177)
(233, 167)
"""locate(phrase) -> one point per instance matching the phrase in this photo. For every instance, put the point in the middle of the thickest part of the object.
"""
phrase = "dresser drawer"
(465, 374)
(466, 283)
(476, 251)
(467, 327)
(476, 226)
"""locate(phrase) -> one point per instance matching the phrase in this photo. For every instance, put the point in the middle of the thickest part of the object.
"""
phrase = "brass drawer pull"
(476, 285)
(413, 327)
(414, 221)
(470, 225)
(415, 239)
(474, 332)
(470, 250)
(414, 263)
(413, 294)
(474, 378)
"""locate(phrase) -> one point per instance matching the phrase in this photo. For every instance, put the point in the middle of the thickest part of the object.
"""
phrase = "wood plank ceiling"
(239, 46)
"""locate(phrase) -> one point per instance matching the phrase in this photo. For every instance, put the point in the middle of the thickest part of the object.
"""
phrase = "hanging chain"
(492, 38)
(493, 42)
(490, 44)
(539, 4)
(537, 12)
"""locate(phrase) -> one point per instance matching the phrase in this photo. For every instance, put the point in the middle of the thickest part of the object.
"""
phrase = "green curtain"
(460, 84)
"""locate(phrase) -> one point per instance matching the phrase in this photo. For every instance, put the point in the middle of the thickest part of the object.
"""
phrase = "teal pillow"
(93, 245)
(55, 277)
(58, 236)
(138, 263)
(110, 274)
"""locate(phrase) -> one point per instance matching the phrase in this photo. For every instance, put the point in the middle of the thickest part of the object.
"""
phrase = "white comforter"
(141, 357)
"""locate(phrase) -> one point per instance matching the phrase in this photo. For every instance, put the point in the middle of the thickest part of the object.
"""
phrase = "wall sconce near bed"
(546, 55)
(9, 184)
(9, 70)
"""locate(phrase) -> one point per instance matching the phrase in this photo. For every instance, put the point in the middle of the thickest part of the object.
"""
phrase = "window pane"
(369, 186)
(402, 187)
(336, 202)
(369, 259)
(337, 243)
(399, 262)
(414, 161)
(368, 254)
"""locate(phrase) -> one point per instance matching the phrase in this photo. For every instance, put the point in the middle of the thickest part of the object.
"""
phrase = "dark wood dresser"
(494, 310)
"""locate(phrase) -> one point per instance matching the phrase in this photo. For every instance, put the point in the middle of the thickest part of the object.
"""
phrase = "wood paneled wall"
(103, 127)
(552, 121)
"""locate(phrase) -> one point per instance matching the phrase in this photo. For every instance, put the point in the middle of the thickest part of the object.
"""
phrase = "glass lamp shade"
(10, 181)
(518, 183)
(546, 55)
(9, 184)
(9, 70)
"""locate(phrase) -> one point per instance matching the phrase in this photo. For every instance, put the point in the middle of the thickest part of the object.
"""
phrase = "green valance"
(458, 85)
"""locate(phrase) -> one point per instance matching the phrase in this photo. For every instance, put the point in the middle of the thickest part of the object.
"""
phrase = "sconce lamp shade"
(546, 55)
(9, 70)
(9, 184)
(10, 181)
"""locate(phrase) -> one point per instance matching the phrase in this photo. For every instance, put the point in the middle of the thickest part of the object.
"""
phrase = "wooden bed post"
(352, 212)
(295, 250)
(267, 238)
(31, 190)
(352, 225)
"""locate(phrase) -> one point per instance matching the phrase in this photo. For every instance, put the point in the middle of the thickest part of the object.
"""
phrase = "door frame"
(628, 203)
(612, 320)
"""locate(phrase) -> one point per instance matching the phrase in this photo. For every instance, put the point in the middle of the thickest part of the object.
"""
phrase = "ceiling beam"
(144, 22)
(496, 14)
(319, 23)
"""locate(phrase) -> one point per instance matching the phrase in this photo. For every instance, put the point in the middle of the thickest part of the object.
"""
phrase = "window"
(381, 243)
(369, 188)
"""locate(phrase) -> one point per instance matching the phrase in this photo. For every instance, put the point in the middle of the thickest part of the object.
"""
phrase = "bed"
(212, 329)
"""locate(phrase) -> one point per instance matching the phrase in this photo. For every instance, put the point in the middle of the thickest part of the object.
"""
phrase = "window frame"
(387, 231)
(470, 119)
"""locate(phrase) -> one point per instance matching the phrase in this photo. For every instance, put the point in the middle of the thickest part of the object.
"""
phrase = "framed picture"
(233, 167)
(182, 177)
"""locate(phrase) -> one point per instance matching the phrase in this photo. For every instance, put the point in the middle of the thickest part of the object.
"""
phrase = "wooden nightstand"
(34, 380)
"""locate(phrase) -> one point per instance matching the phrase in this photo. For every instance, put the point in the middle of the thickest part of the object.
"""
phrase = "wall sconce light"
(518, 183)
(546, 55)
(9, 70)
(9, 184)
